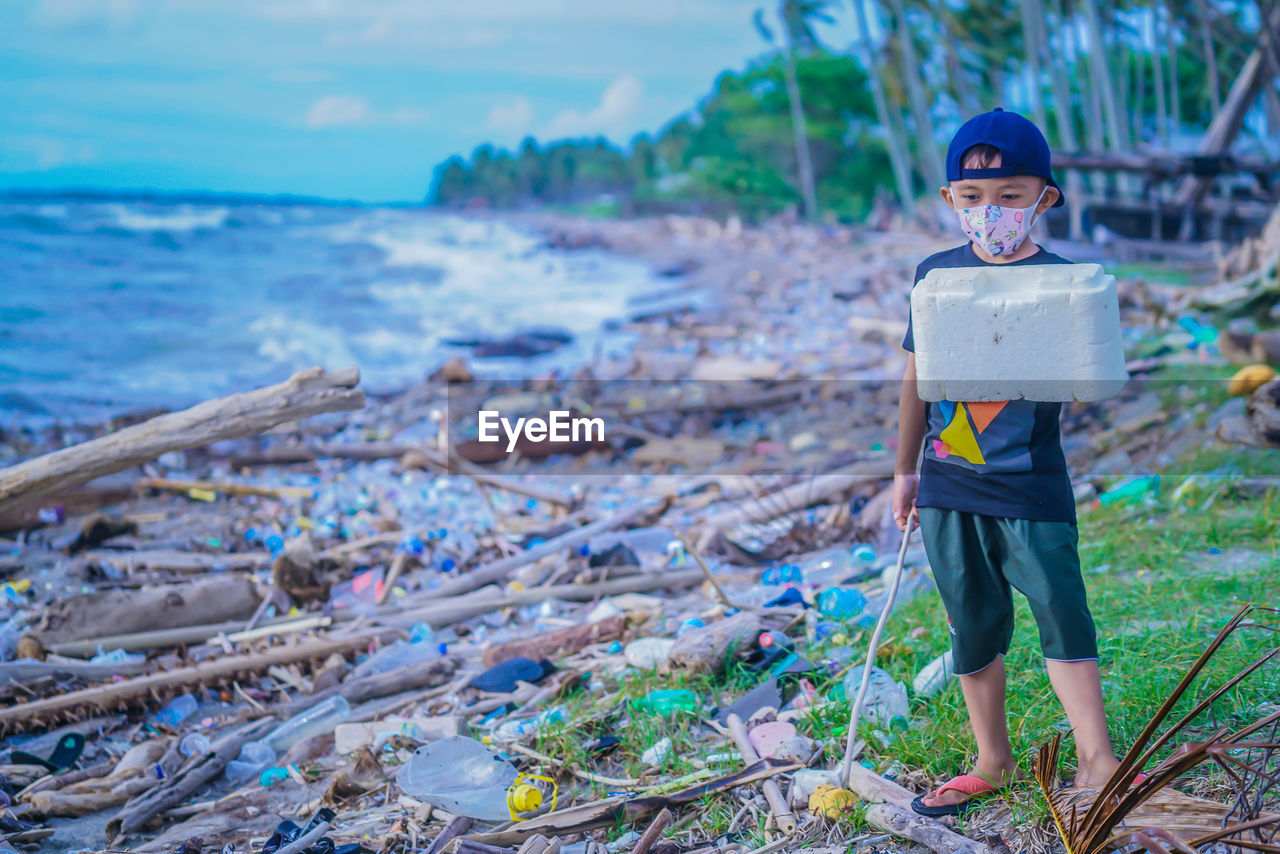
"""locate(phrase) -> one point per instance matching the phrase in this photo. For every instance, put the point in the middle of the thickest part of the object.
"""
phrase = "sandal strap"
(966, 784)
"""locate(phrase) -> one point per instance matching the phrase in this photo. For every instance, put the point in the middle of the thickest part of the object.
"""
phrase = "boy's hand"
(905, 487)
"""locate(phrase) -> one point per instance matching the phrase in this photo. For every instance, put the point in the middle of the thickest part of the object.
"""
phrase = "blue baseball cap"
(1023, 148)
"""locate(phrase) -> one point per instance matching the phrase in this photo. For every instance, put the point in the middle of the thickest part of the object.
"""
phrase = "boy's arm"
(911, 428)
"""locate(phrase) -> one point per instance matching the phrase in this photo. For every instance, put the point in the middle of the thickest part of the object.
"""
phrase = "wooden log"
(782, 814)
(168, 485)
(24, 515)
(207, 600)
(810, 491)
(186, 783)
(660, 823)
(379, 685)
(450, 613)
(141, 689)
(457, 826)
(189, 634)
(551, 644)
(304, 394)
(1227, 122)
(710, 648)
(890, 810)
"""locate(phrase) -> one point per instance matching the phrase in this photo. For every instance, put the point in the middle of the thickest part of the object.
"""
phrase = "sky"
(346, 99)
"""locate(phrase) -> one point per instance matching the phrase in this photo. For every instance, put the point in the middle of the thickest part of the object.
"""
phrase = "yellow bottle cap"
(526, 798)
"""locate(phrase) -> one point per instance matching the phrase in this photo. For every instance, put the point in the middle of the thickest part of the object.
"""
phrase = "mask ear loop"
(1034, 213)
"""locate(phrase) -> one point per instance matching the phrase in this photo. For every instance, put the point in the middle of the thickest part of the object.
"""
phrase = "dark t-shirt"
(997, 459)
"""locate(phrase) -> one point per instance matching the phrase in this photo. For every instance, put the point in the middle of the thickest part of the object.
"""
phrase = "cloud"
(49, 152)
(339, 110)
(333, 110)
(86, 15)
(512, 117)
(617, 104)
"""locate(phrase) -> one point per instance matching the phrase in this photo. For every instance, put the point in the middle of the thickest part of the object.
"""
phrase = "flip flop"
(974, 787)
(69, 748)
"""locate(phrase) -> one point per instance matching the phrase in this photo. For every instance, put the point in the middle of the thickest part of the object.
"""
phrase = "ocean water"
(112, 306)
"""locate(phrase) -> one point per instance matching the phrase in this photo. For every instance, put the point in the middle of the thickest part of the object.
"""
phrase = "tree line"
(828, 128)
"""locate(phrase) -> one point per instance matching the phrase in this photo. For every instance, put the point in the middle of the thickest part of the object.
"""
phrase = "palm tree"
(796, 17)
(927, 143)
(896, 146)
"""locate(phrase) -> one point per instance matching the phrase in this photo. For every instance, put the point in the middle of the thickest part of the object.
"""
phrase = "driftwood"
(29, 671)
(424, 458)
(622, 809)
(890, 810)
(482, 602)
(652, 832)
(208, 600)
(139, 691)
(187, 782)
(373, 687)
(188, 486)
(810, 491)
(25, 514)
(1227, 122)
(457, 826)
(782, 814)
(304, 394)
(551, 644)
(498, 570)
(709, 649)
(131, 776)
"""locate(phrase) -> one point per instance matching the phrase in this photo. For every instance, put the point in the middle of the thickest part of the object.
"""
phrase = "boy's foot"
(960, 793)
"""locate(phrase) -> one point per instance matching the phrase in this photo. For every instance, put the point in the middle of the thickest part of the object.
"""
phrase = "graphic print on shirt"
(982, 436)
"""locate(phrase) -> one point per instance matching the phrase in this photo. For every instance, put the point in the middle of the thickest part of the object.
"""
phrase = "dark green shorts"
(977, 559)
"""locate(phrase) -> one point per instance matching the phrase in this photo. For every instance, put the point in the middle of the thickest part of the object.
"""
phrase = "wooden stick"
(306, 393)
(660, 823)
(457, 826)
(432, 458)
(782, 814)
(620, 782)
(715, 583)
(166, 484)
(499, 569)
(398, 564)
(112, 694)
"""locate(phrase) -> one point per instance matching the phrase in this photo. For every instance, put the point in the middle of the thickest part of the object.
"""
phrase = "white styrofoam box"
(1045, 332)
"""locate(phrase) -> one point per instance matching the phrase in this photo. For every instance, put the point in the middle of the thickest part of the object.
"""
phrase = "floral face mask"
(998, 230)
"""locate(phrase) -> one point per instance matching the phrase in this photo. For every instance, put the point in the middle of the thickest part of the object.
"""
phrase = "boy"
(993, 499)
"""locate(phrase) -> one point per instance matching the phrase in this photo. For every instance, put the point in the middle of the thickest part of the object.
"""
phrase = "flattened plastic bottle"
(460, 775)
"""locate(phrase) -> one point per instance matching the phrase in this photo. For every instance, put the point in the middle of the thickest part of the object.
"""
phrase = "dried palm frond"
(1121, 815)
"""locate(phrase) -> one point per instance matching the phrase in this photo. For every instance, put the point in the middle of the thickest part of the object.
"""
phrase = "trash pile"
(350, 623)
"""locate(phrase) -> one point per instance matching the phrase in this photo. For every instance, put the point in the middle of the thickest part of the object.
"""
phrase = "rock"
(453, 371)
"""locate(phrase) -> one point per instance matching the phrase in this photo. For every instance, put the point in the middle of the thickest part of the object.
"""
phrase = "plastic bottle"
(515, 730)
(254, 757)
(689, 625)
(933, 679)
(396, 656)
(841, 603)
(9, 638)
(194, 743)
(314, 721)
(459, 775)
(177, 710)
(1130, 490)
(787, 574)
(668, 702)
(648, 653)
(886, 700)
